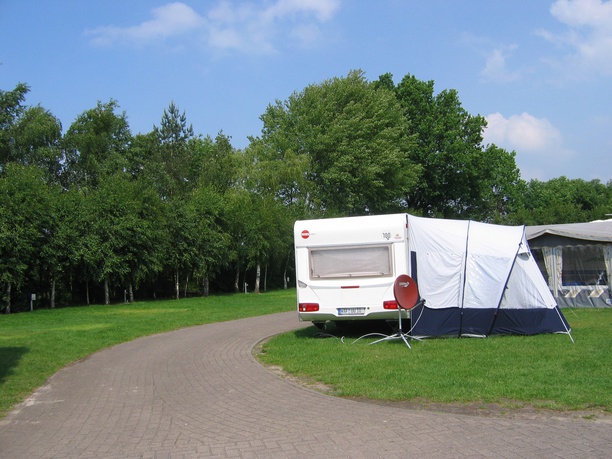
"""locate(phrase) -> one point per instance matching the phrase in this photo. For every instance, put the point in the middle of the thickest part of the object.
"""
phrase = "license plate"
(351, 311)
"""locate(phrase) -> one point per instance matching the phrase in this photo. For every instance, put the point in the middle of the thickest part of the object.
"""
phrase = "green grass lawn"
(544, 371)
(34, 345)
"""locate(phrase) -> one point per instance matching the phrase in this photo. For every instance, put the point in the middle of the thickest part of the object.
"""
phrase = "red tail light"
(391, 304)
(309, 307)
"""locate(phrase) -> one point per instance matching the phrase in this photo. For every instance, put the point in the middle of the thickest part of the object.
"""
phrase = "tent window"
(584, 265)
(342, 262)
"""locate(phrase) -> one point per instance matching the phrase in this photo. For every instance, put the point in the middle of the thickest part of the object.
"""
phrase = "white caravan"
(477, 279)
(346, 267)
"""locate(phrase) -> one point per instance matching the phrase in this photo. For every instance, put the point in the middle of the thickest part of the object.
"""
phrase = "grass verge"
(543, 371)
(34, 345)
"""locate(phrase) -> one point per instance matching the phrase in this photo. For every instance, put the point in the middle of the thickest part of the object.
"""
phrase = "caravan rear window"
(338, 262)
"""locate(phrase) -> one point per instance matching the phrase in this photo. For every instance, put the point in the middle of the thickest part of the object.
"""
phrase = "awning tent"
(478, 279)
(576, 261)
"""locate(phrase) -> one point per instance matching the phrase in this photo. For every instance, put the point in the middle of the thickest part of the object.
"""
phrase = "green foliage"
(344, 146)
(28, 135)
(24, 219)
(124, 235)
(172, 151)
(547, 371)
(460, 178)
(169, 211)
(35, 141)
(562, 200)
(11, 107)
(95, 145)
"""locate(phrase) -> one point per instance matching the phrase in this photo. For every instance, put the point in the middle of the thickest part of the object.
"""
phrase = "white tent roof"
(469, 264)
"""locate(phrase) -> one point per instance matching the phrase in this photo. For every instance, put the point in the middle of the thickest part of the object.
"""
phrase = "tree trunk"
(52, 300)
(285, 278)
(87, 291)
(177, 285)
(186, 286)
(266, 278)
(237, 280)
(8, 298)
(106, 292)
(131, 292)
(257, 277)
(206, 287)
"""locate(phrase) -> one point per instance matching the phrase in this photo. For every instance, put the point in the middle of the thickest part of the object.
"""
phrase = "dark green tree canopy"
(460, 177)
(345, 147)
(28, 135)
(173, 153)
(169, 212)
(11, 105)
(563, 200)
(96, 144)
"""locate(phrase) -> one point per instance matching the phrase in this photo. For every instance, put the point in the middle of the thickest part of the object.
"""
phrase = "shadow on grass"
(9, 358)
(348, 329)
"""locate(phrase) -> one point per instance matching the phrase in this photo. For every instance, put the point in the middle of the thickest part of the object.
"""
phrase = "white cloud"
(249, 27)
(539, 145)
(322, 9)
(496, 69)
(524, 133)
(254, 28)
(168, 20)
(588, 39)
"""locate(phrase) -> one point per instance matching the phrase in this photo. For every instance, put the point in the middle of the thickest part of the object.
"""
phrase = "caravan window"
(338, 262)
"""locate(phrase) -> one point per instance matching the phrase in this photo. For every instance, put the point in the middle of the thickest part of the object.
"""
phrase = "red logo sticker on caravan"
(305, 234)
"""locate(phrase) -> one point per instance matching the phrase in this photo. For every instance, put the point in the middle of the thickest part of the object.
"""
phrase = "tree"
(122, 245)
(24, 217)
(59, 238)
(11, 107)
(561, 200)
(95, 145)
(173, 155)
(498, 192)
(28, 135)
(205, 209)
(460, 178)
(36, 137)
(215, 163)
(344, 146)
(253, 224)
(181, 229)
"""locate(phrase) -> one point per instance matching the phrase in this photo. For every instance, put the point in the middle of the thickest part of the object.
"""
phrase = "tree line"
(95, 214)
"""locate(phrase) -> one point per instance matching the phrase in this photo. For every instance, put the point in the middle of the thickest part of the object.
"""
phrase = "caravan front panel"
(346, 267)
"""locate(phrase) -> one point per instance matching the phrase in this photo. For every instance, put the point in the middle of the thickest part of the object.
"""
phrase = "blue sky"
(540, 71)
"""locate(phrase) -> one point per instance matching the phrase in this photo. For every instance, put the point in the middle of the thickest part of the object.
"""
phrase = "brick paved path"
(199, 392)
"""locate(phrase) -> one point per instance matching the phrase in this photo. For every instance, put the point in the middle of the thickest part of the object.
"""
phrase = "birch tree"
(24, 217)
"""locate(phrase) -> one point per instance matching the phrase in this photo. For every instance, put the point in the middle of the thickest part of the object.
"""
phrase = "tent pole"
(567, 331)
(501, 297)
(465, 258)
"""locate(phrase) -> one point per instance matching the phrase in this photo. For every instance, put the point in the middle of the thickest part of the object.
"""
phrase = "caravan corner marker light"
(309, 307)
